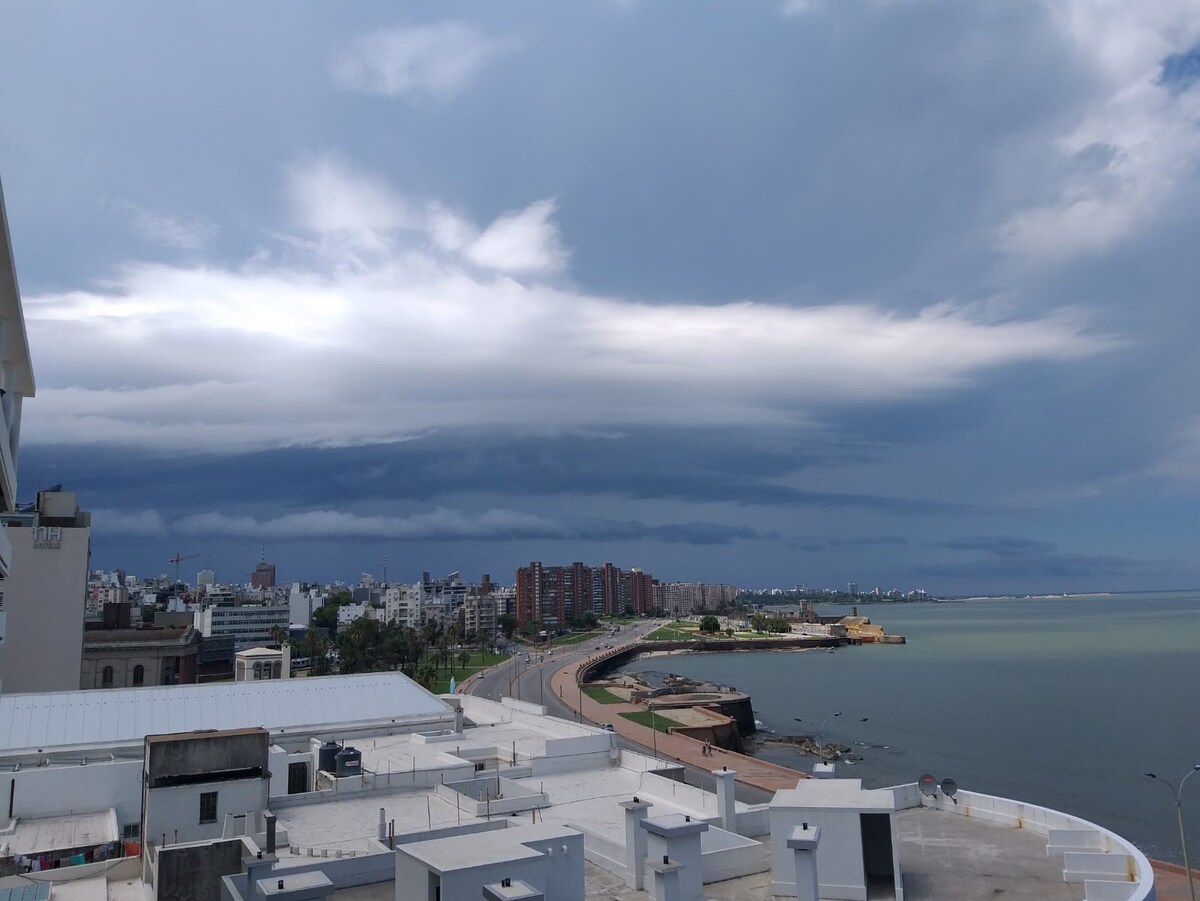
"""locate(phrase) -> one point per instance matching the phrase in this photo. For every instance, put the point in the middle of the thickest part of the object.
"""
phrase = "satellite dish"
(928, 785)
(949, 788)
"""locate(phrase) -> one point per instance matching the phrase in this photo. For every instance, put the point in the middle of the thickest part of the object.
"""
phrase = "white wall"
(839, 854)
(175, 810)
(65, 790)
(731, 859)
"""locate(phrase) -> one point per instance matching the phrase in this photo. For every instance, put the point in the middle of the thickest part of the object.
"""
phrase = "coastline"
(1170, 879)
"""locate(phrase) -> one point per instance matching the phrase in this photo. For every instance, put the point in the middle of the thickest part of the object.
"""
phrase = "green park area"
(576, 637)
(602, 695)
(677, 632)
(478, 660)
(651, 720)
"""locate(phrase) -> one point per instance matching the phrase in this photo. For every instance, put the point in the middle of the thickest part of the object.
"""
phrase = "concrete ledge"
(1060, 841)
(1103, 890)
(1079, 866)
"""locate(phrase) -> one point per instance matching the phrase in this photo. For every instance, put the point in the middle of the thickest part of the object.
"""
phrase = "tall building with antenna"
(263, 576)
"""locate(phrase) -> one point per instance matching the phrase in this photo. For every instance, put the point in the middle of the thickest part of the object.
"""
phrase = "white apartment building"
(441, 599)
(302, 601)
(479, 615)
(348, 613)
(45, 594)
(402, 605)
(249, 625)
(16, 383)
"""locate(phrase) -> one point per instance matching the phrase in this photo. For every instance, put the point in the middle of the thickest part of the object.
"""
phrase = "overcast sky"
(902, 292)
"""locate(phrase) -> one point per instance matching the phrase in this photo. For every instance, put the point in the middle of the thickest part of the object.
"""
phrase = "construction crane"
(178, 559)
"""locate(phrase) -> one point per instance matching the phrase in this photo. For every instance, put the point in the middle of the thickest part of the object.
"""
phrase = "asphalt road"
(531, 682)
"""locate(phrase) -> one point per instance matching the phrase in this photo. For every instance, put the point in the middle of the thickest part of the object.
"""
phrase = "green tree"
(585, 621)
(325, 617)
(507, 624)
(710, 625)
(360, 647)
(317, 650)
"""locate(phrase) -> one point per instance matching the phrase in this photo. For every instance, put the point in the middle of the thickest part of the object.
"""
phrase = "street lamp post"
(1178, 793)
(654, 733)
(821, 732)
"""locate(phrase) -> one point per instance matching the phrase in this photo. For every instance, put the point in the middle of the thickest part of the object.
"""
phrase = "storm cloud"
(761, 293)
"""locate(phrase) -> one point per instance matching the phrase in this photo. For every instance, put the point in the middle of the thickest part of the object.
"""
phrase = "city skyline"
(756, 293)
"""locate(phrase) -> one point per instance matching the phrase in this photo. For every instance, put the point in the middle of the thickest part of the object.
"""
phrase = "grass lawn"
(479, 660)
(670, 633)
(644, 717)
(576, 637)
(603, 695)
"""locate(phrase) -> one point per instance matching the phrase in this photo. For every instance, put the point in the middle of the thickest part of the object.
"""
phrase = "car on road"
(607, 727)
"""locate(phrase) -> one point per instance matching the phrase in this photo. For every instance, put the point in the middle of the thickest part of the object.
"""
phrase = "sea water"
(1062, 702)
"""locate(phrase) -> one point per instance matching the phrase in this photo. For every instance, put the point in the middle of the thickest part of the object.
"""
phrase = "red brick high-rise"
(549, 597)
(263, 576)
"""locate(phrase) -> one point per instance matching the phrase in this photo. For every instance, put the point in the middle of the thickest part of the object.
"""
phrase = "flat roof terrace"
(947, 857)
(944, 857)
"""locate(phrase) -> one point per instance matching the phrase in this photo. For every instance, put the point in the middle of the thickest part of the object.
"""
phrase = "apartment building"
(402, 605)
(45, 594)
(550, 597)
(686, 598)
(249, 626)
(302, 601)
(16, 383)
(263, 576)
(480, 615)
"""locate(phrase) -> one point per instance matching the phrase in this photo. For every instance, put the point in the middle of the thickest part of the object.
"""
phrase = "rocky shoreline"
(807, 744)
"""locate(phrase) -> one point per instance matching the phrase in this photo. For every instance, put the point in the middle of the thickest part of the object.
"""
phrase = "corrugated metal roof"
(56, 720)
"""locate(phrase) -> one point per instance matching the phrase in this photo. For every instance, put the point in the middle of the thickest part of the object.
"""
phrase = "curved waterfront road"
(531, 682)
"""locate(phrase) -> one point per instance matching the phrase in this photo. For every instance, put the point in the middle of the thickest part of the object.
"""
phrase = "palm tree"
(427, 675)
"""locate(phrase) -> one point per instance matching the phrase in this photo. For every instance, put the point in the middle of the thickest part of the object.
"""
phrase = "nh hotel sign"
(47, 536)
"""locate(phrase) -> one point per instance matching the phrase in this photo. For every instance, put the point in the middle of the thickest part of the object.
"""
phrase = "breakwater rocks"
(807, 744)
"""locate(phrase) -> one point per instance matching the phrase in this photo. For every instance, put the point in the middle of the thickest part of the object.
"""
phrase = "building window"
(208, 807)
(106, 678)
(131, 831)
(139, 675)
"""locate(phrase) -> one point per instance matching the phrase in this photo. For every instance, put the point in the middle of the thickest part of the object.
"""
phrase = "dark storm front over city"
(759, 293)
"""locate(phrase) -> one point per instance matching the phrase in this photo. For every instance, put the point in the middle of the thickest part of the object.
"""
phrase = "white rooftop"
(260, 652)
(843, 794)
(80, 830)
(470, 852)
(122, 716)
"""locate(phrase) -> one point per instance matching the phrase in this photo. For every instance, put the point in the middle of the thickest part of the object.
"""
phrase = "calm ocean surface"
(1062, 702)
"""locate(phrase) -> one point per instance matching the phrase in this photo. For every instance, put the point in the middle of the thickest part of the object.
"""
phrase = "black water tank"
(327, 756)
(349, 762)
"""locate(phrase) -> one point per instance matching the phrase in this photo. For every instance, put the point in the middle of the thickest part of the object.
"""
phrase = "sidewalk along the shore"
(680, 748)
